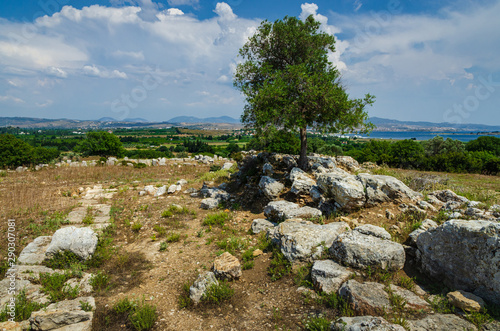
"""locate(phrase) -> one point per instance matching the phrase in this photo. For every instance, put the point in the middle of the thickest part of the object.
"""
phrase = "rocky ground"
(334, 247)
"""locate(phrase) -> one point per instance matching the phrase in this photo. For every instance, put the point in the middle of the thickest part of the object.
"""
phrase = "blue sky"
(435, 61)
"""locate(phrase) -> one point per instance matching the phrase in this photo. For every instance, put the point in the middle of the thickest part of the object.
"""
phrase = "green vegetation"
(140, 315)
(216, 219)
(14, 152)
(100, 282)
(101, 143)
(184, 300)
(53, 285)
(217, 293)
(280, 266)
(317, 324)
(289, 82)
(22, 309)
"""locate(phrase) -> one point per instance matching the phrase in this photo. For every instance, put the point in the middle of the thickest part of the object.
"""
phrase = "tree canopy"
(101, 143)
(290, 84)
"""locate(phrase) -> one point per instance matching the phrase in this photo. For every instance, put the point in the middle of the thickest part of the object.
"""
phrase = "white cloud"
(131, 55)
(57, 72)
(193, 3)
(11, 98)
(94, 71)
(174, 12)
(45, 104)
(357, 5)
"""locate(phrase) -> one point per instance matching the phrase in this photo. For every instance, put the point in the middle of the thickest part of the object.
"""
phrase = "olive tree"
(290, 84)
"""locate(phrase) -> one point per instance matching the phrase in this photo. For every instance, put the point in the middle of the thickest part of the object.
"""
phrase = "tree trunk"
(303, 149)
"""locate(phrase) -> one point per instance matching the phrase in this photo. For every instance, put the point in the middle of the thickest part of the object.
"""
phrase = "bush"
(144, 317)
(215, 294)
(23, 308)
(101, 143)
(100, 282)
(218, 219)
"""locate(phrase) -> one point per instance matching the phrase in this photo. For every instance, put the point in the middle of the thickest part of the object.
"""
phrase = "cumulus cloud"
(57, 72)
(94, 71)
(10, 98)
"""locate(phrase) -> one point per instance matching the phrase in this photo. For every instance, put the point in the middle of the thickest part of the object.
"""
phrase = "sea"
(424, 135)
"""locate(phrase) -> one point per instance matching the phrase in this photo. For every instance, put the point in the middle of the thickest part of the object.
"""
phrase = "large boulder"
(328, 276)
(464, 255)
(364, 323)
(449, 196)
(270, 187)
(385, 188)
(301, 182)
(302, 240)
(347, 192)
(281, 210)
(348, 163)
(200, 286)
(361, 251)
(80, 241)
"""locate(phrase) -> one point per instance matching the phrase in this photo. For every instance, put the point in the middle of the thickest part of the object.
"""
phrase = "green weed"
(218, 293)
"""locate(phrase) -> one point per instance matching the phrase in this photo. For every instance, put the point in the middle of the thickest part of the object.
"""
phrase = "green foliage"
(53, 285)
(136, 227)
(62, 260)
(124, 305)
(317, 324)
(216, 219)
(14, 152)
(217, 293)
(100, 282)
(144, 317)
(441, 305)
(85, 306)
(485, 144)
(406, 282)
(438, 146)
(101, 143)
(173, 238)
(163, 246)
(334, 301)
(280, 266)
(184, 300)
(22, 309)
(289, 82)
(232, 245)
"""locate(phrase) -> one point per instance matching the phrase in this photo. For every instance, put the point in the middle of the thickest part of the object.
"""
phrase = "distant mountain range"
(382, 124)
(192, 119)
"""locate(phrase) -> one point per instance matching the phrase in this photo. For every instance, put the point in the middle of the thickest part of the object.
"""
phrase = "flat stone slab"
(33, 291)
(302, 240)
(34, 252)
(282, 210)
(328, 276)
(81, 241)
(259, 225)
(440, 322)
(63, 314)
(359, 250)
(364, 323)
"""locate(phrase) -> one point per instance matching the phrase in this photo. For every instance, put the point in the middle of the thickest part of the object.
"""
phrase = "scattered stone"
(227, 166)
(80, 241)
(281, 210)
(150, 189)
(360, 251)
(209, 203)
(270, 187)
(301, 183)
(302, 240)
(200, 286)
(448, 196)
(347, 162)
(181, 182)
(227, 266)
(440, 322)
(10, 326)
(259, 225)
(257, 252)
(466, 301)
(372, 230)
(161, 191)
(463, 254)
(172, 189)
(267, 169)
(364, 323)
(328, 276)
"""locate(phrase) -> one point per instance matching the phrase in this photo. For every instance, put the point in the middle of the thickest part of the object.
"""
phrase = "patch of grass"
(184, 300)
(100, 282)
(232, 245)
(217, 293)
(143, 317)
(85, 306)
(173, 237)
(216, 219)
(302, 276)
(441, 305)
(441, 217)
(22, 309)
(335, 301)
(411, 220)
(53, 285)
(280, 266)
(317, 324)
(162, 231)
(176, 210)
(136, 227)
(406, 282)
(49, 225)
(218, 175)
(263, 243)
(479, 318)
(163, 246)
(378, 275)
(104, 250)
(124, 305)
(399, 311)
(62, 260)
(248, 259)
